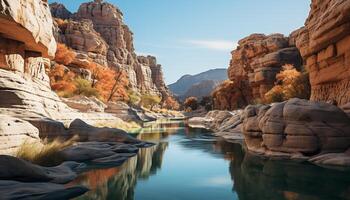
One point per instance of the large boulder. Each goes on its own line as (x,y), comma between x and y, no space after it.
(87,132)
(324,44)
(296,128)
(39,191)
(20,170)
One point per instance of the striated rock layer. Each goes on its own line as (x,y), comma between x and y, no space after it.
(296,128)
(257,60)
(324,44)
(98,31)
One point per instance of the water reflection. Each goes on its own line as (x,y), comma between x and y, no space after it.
(119,183)
(191,164)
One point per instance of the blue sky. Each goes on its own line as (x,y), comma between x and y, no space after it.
(192,36)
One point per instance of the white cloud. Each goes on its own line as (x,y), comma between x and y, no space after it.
(220,45)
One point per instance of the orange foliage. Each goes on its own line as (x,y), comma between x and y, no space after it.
(191,102)
(62,80)
(62,24)
(290,84)
(171,104)
(110,84)
(64,55)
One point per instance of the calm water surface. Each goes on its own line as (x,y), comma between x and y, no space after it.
(189,164)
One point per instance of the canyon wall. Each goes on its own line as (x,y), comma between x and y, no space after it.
(28,106)
(253,68)
(97,32)
(324,43)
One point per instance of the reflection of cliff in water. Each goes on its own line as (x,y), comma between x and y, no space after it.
(255,178)
(119,183)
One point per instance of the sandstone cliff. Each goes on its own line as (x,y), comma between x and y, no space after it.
(97,30)
(26,46)
(257,60)
(324,43)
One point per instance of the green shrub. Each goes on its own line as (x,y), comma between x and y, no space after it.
(134,98)
(149,101)
(83,87)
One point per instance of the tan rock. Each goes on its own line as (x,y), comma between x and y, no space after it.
(35,21)
(14,132)
(257,60)
(324,44)
(296,126)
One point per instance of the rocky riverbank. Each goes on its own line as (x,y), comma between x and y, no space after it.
(296,129)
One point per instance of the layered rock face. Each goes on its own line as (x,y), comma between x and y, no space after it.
(98,30)
(296,128)
(324,43)
(258,59)
(25,93)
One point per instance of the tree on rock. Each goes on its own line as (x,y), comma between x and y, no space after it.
(191,102)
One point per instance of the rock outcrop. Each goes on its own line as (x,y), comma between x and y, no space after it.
(257,60)
(60,11)
(324,43)
(296,128)
(14,132)
(225,124)
(98,31)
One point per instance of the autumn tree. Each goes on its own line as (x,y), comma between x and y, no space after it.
(191,102)
(290,84)
(61,80)
(207,103)
(171,104)
(64,55)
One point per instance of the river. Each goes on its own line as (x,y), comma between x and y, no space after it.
(190,164)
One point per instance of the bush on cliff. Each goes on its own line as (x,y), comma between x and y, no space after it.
(83,87)
(171,104)
(64,55)
(192,103)
(149,101)
(290,84)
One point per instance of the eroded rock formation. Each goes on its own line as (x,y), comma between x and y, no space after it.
(324,43)
(296,128)
(98,30)
(257,60)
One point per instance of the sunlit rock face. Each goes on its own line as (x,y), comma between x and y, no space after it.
(257,60)
(296,128)
(35,22)
(324,43)
(98,30)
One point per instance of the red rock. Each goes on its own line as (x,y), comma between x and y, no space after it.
(324,43)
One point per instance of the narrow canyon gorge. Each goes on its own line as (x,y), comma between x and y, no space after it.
(81,112)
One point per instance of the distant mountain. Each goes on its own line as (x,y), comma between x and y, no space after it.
(201,89)
(198,85)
